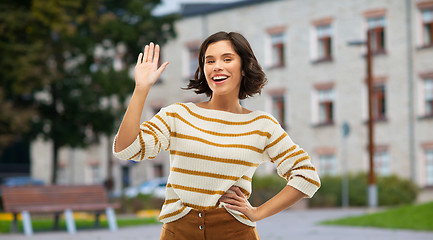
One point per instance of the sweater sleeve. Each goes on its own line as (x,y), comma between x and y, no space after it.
(154,135)
(293,163)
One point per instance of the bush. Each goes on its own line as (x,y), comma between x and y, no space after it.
(395,191)
(265,187)
(140,202)
(392,190)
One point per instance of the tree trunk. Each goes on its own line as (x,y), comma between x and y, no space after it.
(54,132)
(55,164)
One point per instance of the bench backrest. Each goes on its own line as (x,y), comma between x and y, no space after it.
(52,195)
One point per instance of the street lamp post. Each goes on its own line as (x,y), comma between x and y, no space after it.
(372,188)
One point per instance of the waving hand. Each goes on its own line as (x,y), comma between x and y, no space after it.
(146,70)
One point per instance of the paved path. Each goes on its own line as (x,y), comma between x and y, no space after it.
(293,224)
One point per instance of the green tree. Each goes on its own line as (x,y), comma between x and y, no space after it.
(21,70)
(88,47)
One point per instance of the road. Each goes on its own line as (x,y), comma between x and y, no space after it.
(292,224)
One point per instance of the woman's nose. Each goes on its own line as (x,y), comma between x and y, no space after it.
(217,66)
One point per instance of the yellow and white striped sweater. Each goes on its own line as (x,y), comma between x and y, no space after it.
(212,150)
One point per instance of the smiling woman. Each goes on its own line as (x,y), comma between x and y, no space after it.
(215,146)
(253,78)
(222,69)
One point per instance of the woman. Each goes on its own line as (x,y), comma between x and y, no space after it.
(215,146)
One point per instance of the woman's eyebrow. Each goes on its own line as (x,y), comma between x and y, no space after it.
(224,55)
(228,54)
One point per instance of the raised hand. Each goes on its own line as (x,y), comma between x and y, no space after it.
(146,70)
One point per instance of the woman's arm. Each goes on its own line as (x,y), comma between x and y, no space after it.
(236,200)
(146,74)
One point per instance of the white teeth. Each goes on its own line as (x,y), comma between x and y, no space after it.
(220,78)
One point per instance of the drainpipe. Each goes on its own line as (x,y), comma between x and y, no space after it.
(204,28)
(410,91)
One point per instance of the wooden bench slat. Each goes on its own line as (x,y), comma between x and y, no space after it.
(55,197)
(61,208)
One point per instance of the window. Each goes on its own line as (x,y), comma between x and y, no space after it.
(193,52)
(428,97)
(277,53)
(61,175)
(278,106)
(126,176)
(324,42)
(427,23)
(376,26)
(429,166)
(382,163)
(379,102)
(327,165)
(95,174)
(158,170)
(326,106)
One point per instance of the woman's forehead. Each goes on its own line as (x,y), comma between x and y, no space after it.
(223,47)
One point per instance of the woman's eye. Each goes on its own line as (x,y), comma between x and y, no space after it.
(210,61)
(227,60)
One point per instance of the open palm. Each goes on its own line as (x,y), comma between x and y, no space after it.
(146,70)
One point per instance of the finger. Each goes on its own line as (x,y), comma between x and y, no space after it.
(234,207)
(139,58)
(156,56)
(232,196)
(162,68)
(231,201)
(150,55)
(238,191)
(146,52)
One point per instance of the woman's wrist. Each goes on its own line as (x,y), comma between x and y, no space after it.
(141,90)
(260,215)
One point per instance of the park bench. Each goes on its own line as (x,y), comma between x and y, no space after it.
(57,199)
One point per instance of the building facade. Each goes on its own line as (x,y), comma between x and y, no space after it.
(316,82)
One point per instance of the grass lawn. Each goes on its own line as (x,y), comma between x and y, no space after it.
(413,217)
(47,224)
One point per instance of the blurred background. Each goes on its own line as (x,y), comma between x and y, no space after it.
(67,75)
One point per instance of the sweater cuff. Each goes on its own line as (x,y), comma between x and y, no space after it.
(303,186)
(128,152)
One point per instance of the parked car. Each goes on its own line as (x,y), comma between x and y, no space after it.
(155,187)
(20,181)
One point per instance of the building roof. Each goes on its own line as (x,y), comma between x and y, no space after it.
(194,9)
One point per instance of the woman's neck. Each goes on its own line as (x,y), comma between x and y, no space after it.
(224,104)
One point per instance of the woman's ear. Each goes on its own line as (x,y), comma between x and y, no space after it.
(243,73)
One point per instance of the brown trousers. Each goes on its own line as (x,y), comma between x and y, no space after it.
(215,224)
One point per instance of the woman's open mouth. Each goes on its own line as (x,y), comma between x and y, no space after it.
(219,79)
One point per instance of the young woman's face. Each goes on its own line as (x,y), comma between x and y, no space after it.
(223,68)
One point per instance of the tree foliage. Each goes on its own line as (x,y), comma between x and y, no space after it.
(66,63)
(21,68)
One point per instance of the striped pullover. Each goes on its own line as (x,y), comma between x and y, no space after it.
(212,150)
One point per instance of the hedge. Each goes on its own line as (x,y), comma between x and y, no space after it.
(392,190)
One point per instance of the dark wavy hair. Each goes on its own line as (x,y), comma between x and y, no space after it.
(254,79)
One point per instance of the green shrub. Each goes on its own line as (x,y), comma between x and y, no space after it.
(265,187)
(392,190)
(328,194)
(357,190)
(140,202)
(395,191)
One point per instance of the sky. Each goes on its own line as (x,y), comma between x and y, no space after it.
(170,6)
